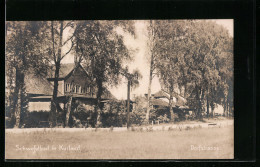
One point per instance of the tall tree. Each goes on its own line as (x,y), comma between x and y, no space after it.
(192,55)
(104,52)
(24,54)
(207,42)
(151,29)
(169,39)
(55,32)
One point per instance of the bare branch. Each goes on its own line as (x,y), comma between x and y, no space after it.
(68,51)
(69,38)
(67,25)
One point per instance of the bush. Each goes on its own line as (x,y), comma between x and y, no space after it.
(137,118)
(163,119)
(114,114)
(36,119)
(85,114)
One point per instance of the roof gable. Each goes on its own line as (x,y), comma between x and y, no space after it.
(65,69)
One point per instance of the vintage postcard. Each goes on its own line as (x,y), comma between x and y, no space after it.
(119,89)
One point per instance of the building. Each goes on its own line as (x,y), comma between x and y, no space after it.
(73,81)
(160,100)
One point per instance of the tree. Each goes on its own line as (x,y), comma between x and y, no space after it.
(54,30)
(203,52)
(104,53)
(151,28)
(169,39)
(192,55)
(24,54)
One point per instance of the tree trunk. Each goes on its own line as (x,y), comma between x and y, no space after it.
(18,110)
(17,101)
(212,109)
(98,102)
(128,104)
(170,108)
(227,108)
(149,91)
(54,102)
(199,97)
(151,72)
(14,104)
(224,112)
(207,106)
(68,107)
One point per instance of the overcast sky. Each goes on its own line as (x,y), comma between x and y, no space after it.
(141,60)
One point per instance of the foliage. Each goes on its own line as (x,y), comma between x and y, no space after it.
(36,119)
(24,54)
(87,117)
(104,52)
(196,55)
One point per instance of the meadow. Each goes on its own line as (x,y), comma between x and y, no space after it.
(199,143)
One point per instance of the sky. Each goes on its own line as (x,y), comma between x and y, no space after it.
(141,61)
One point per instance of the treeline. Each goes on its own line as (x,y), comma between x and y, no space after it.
(196,57)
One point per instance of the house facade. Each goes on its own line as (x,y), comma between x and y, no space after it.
(73,81)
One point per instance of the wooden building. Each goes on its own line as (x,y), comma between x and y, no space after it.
(73,81)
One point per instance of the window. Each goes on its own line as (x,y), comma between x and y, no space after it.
(67,87)
(77,89)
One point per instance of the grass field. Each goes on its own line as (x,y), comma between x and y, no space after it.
(185,144)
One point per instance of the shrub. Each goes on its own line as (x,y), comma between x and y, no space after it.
(163,119)
(36,119)
(114,114)
(85,115)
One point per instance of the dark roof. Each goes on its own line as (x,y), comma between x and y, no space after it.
(65,69)
(159,102)
(107,95)
(38,85)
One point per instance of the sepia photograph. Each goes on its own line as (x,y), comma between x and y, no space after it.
(119,89)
